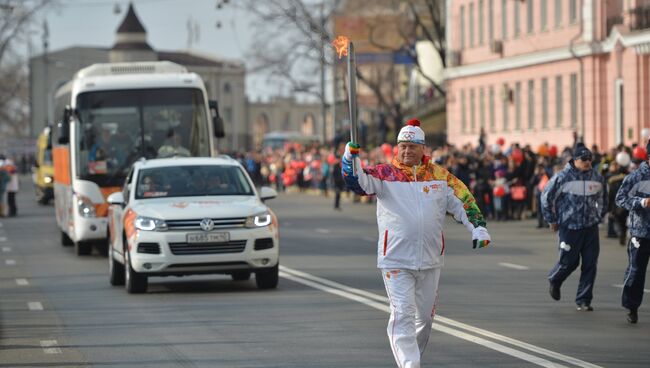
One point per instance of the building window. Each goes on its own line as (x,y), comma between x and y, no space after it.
(505,107)
(492,119)
(517,16)
(481,108)
(518,106)
(543,16)
(504,19)
(530,16)
(558,13)
(573,11)
(462,27)
(490,20)
(574,100)
(480,22)
(558,101)
(463,112)
(472,111)
(531,104)
(470,22)
(544,103)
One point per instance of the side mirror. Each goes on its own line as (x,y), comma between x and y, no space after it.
(267,193)
(217,121)
(116,198)
(64,126)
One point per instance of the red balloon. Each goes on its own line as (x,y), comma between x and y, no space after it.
(499,191)
(386,149)
(517,156)
(639,153)
(552,151)
(501,141)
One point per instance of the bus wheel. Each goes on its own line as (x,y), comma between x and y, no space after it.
(65,239)
(82,248)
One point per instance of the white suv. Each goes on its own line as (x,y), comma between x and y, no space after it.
(182,216)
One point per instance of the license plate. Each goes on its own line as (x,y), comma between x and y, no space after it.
(208,238)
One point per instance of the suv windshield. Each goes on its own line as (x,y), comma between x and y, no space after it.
(188,181)
(118,127)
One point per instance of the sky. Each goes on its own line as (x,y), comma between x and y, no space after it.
(94,22)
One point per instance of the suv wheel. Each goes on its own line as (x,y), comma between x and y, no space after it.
(241,275)
(115,271)
(135,283)
(267,279)
(82,248)
(65,239)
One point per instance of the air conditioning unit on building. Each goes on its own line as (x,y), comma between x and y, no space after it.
(496,46)
(455,58)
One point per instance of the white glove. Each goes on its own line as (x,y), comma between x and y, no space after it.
(480,237)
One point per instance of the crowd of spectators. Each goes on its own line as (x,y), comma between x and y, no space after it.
(506,179)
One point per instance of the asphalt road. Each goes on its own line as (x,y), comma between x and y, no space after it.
(330,310)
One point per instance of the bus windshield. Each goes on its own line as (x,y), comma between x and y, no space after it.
(118,127)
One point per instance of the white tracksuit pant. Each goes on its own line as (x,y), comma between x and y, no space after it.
(413,296)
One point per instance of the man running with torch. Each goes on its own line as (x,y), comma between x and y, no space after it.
(413,196)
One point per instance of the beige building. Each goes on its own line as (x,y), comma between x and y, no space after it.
(224,81)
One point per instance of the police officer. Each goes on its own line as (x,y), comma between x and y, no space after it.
(634,196)
(574,202)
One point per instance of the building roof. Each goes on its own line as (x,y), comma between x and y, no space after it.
(131,23)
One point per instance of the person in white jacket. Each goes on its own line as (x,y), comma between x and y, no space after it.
(413,196)
(12,188)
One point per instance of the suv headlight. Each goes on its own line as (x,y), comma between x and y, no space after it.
(259,220)
(85,206)
(149,224)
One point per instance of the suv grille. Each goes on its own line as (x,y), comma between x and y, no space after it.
(149,248)
(195,224)
(233,246)
(265,243)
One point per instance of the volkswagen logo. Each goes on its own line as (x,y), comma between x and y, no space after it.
(207,224)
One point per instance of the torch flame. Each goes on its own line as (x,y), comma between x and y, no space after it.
(341,45)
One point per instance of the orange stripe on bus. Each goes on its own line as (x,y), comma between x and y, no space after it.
(101,209)
(61,157)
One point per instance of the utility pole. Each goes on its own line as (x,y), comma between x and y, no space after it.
(46,79)
(323,105)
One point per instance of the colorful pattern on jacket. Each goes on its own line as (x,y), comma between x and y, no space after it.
(635,188)
(428,171)
(575,199)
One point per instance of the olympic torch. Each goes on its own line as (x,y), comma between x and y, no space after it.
(345,47)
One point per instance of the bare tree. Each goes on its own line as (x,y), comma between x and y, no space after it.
(16,20)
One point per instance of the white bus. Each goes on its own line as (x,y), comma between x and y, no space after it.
(109,116)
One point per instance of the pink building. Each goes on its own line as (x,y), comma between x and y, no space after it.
(534,71)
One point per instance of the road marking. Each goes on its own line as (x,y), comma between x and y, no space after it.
(323,231)
(10,262)
(50,347)
(3,238)
(514,266)
(6,249)
(35,306)
(22,282)
(442,324)
(620,286)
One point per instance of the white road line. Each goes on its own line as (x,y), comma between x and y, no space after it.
(323,231)
(6,249)
(381,302)
(35,306)
(3,238)
(50,347)
(514,266)
(22,282)
(620,286)
(10,262)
